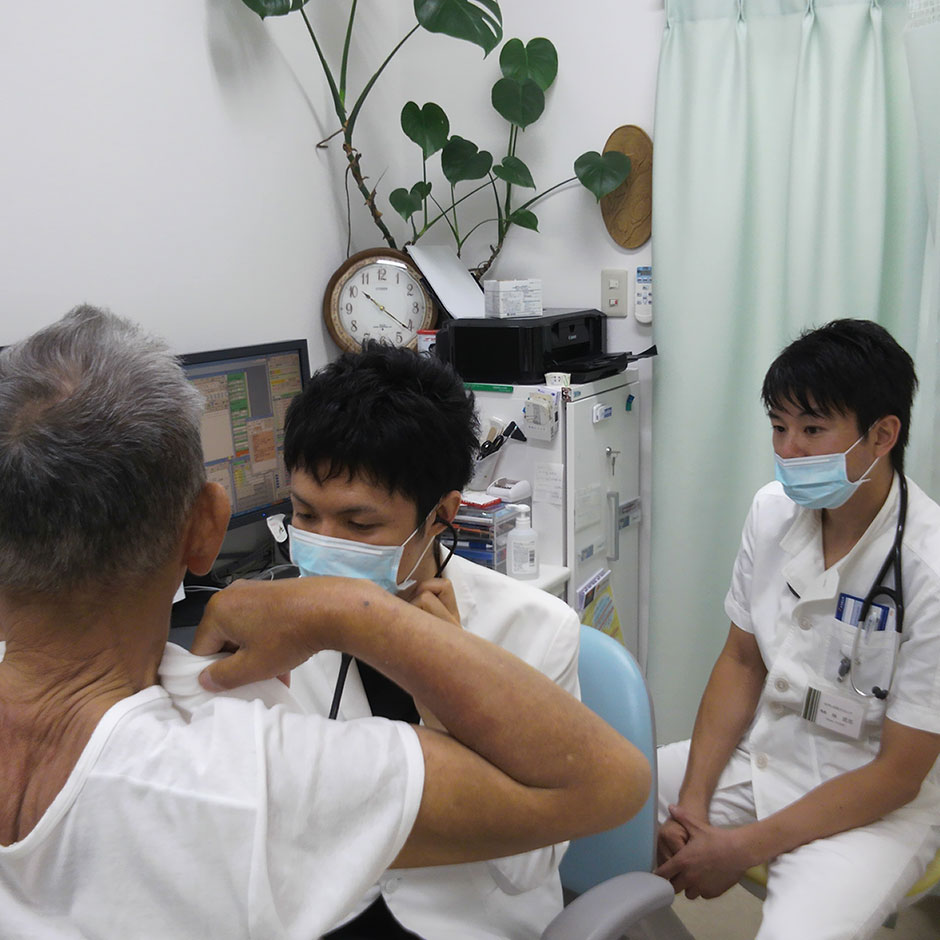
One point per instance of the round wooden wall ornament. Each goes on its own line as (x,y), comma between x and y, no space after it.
(628,210)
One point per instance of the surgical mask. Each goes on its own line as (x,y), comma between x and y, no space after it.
(324,555)
(819,482)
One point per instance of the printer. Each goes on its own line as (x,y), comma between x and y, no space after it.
(522,349)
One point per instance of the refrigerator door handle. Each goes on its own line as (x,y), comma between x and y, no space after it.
(613,504)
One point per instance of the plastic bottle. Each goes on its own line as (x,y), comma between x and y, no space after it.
(522,560)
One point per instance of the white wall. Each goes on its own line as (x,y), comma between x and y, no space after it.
(160,159)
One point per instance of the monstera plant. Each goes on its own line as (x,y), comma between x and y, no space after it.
(518,96)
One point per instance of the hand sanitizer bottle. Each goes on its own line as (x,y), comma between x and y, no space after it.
(522,560)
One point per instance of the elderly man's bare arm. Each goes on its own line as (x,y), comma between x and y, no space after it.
(525,763)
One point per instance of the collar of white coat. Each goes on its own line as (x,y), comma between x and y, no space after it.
(803,540)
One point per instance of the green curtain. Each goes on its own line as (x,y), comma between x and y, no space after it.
(922,42)
(787,192)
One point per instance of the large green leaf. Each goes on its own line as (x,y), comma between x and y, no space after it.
(462,160)
(476,21)
(406,203)
(537,60)
(602,174)
(428,127)
(514,171)
(273,7)
(520,103)
(524,218)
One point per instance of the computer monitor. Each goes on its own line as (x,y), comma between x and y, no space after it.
(247,391)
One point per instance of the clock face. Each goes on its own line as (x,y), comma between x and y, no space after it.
(377,294)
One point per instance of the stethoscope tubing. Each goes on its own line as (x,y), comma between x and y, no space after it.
(346,658)
(895,595)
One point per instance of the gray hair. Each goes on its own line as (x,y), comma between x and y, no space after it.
(100,454)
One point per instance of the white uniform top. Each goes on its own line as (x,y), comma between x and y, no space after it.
(782,593)
(237,821)
(511,898)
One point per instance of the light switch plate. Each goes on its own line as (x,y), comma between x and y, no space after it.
(615,285)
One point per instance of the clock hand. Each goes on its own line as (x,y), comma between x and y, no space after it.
(402,325)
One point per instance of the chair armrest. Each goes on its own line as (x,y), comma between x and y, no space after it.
(608,909)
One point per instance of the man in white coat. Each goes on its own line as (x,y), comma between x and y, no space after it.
(816,742)
(379,447)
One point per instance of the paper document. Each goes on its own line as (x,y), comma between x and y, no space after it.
(458,292)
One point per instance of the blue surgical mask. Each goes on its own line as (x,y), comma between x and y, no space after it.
(819,482)
(317,554)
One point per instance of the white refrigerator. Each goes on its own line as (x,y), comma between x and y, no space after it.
(584,469)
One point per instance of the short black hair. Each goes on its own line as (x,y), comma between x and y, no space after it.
(847,367)
(399,419)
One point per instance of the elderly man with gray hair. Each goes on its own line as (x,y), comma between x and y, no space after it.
(124,813)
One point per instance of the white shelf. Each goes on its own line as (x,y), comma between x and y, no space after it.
(552,578)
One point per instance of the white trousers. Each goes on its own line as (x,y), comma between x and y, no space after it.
(838,888)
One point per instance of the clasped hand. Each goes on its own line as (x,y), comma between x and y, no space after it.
(698,858)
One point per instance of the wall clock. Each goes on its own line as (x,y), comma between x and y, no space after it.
(377,294)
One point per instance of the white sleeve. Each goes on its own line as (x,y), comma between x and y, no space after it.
(914,699)
(738,598)
(517,873)
(340,801)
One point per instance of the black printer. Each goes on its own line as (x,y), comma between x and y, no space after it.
(523,349)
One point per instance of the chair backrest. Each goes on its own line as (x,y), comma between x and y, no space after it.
(613,687)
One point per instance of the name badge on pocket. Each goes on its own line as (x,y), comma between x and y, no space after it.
(835,712)
(849,608)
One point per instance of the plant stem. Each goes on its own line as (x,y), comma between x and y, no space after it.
(357,107)
(326,140)
(348,213)
(503,226)
(338,105)
(481,269)
(424,178)
(550,189)
(453,205)
(475,227)
(352,156)
(443,215)
(443,212)
(499,208)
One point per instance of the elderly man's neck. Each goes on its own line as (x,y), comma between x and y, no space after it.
(69,658)
(102,640)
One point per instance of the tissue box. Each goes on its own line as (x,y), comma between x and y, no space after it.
(519,298)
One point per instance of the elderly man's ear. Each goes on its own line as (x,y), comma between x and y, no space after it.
(206,528)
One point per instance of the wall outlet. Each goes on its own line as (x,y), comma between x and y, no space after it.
(614,286)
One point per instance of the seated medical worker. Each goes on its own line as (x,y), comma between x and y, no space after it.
(379,446)
(816,741)
(123,816)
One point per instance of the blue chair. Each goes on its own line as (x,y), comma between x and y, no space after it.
(611,872)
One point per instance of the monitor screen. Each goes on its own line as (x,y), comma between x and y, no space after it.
(247,391)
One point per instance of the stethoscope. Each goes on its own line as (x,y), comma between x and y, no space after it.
(879,589)
(346,658)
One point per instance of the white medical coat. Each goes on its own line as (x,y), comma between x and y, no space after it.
(511,898)
(782,593)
